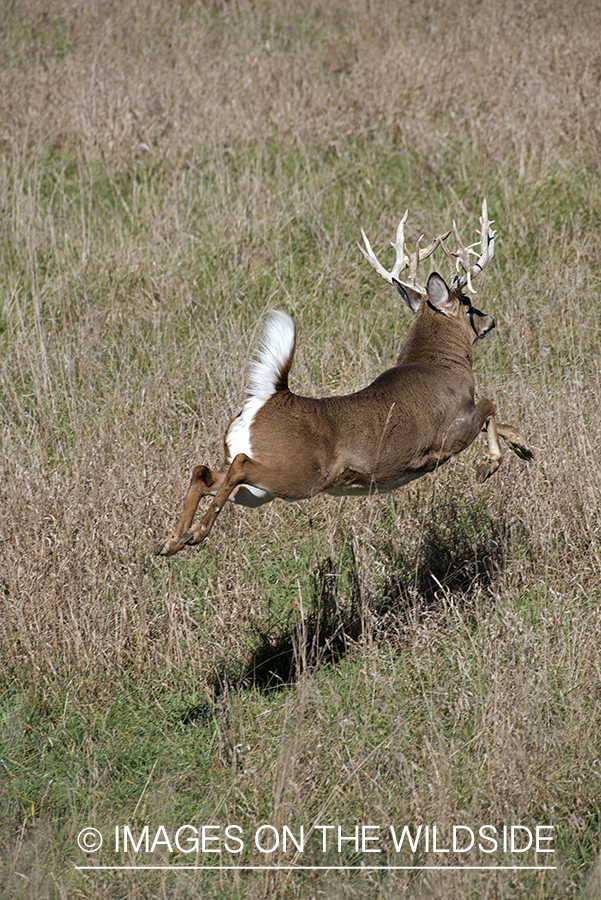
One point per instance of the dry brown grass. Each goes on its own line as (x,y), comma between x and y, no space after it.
(167,175)
(125,80)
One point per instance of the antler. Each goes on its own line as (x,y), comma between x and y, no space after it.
(403,259)
(460,259)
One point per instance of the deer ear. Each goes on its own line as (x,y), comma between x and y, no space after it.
(409,295)
(439,294)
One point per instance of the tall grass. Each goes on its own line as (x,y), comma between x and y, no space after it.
(169,174)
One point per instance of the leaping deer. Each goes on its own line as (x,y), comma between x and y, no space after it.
(409,421)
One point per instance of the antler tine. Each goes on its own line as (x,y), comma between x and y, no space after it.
(401,261)
(419,255)
(429,250)
(462,254)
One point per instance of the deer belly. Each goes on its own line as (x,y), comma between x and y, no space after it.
(365,490)
(251,495)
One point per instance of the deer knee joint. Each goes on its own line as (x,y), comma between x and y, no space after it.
(203,474)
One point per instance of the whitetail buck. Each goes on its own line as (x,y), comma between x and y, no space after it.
(407,422)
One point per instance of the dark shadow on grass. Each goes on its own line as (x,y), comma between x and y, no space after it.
(461,550)
(319,635)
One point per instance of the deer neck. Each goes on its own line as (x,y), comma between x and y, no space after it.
(436,340)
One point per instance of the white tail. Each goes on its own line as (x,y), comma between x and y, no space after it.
(406,423)
(273,358)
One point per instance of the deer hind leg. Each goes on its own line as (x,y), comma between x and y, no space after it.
(203,481)
(243,470)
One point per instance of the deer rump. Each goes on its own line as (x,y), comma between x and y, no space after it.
(411,419)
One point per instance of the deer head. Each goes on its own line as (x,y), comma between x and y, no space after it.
(451,301)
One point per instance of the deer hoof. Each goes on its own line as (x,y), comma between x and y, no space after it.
(522,450)
(195,537)
(168,548)
(488,468)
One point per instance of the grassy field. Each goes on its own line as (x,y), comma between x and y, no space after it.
(168,174)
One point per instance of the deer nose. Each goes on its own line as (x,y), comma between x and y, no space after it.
(480,322)
(486,324)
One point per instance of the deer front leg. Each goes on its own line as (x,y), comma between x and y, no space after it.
(516,441)
(486,410)
(511,435)
(242,470)
(202,482)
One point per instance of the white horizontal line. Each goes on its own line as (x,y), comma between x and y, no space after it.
(322,868)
